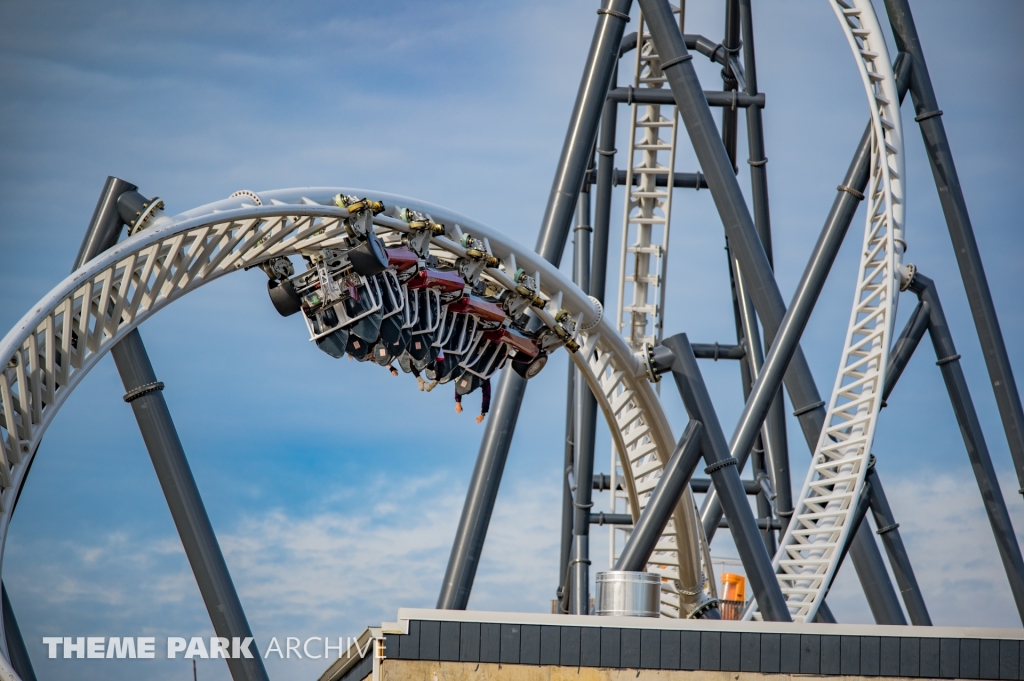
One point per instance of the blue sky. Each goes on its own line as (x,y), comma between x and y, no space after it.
(335,488)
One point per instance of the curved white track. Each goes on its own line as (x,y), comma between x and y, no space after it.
(51,349)
(809,552)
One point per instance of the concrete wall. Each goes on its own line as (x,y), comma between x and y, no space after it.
(421,670)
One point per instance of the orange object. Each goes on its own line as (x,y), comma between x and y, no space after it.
(734,587)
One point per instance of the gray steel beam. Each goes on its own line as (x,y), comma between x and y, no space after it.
(584,435)
(106,223)
(702,485)
(482,493)
(745,320)
(888,530)
(16,649)
(757,161)
(693,41)
(785,358)
(601,518)
(958,221)
(732,207)
(583,128)
(778,460)
(903,348)
(728,99)
(746,333)
(881,596)
(856,519)
(714,351)
(603,198)
(763,504)
(974,439)
(825,615)
(731,46)
(722,469)
(679,180)
(508,397)
(763,524)
(602,482)
(651,524)
(567,508)
(143,391)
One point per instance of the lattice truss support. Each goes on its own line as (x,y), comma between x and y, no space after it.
(809,552)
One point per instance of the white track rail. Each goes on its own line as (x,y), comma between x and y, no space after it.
(52,348)
(809,552)
(618,380)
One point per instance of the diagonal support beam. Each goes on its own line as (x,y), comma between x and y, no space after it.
(648,529)
(144,393)
(888,530)
(958,221)
(974,438)
(723,471)
(783,327)
(508,398)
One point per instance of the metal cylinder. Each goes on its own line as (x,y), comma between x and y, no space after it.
(621,593)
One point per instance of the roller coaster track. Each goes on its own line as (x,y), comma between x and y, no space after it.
(52,348)
(648,207)
(809,552)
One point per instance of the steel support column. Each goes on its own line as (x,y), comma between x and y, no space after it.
(723,471)
(731,45)
(143,391)
(603,198)
(888,530)
(958,221)
(567,492)
(740,229)
(878,589)
(746,332)
(903,348)
(482,493)
(732,208)
(974,439)
(584,434)
(583,127)
(778,459)
(508,398)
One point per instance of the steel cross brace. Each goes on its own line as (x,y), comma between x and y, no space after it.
(723,471)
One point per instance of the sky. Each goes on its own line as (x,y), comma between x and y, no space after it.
(335,488)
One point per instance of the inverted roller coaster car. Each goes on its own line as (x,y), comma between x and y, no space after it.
(404,302)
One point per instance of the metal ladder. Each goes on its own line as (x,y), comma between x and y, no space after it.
(645,235)
(648,208)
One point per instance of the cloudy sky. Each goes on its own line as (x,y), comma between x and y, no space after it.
(335,488)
